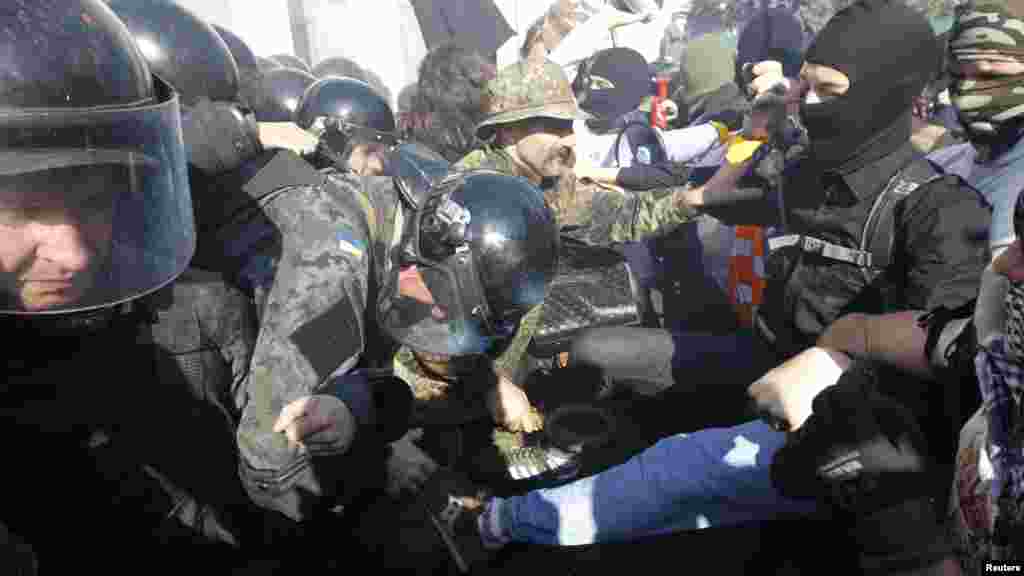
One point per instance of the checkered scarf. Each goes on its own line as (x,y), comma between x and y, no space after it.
(1000,370)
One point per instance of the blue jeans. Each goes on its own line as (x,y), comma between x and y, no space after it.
(714,477)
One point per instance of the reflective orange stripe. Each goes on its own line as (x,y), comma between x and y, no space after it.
(746,272)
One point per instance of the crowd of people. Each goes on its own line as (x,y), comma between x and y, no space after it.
(254,309)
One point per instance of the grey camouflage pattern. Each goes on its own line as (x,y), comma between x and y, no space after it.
(224,319)
(328,241)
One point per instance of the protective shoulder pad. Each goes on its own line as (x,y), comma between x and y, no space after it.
(284,169)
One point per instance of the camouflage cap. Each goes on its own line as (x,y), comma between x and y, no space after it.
(527,89)
(987,29)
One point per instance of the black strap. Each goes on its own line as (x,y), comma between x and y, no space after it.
(285,170)
(879,230)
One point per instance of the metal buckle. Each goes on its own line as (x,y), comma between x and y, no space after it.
(813,245)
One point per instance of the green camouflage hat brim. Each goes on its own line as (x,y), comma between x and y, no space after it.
(567,110)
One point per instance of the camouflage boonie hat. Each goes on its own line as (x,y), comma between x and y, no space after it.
(527,89)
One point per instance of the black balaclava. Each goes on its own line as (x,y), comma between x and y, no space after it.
(889,53)
(612,83)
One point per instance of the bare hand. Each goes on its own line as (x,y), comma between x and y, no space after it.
(1011,262)
(768,77)
(774,95)
(317,420)
(785,394)
(511,409)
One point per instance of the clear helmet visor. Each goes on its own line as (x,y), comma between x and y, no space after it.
(95,208)
(433,310)
(462,277)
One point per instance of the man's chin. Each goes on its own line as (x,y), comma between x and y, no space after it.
(52,298)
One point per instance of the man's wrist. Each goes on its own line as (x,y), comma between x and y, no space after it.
(850,335)
(689,196)
(842,360)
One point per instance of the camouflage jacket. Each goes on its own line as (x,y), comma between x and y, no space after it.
(314,328)
(441,403)
(594,214)
(597,214)
(437,402)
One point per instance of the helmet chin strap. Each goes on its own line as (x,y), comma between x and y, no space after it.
(77,324)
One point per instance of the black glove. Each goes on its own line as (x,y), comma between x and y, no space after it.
(864,454)
(857,443)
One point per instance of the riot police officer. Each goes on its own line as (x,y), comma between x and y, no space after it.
(96,228)
(355,124)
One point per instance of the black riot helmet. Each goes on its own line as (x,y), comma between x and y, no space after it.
(244,57)
(250,74)
(219,136)
(416,169)
(474,257)
(181,48)
(289,61)
(282,91)
(345,112)
(94,196)
(339,66)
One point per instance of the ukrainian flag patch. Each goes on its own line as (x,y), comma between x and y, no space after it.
(349,244)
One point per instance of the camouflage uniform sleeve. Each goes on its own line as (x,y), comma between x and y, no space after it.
(471,161)
(512,358)
(311,331)
(659,212)
(607,215)
(490,159)
(228,320)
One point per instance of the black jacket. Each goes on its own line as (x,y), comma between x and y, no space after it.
(940,250)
